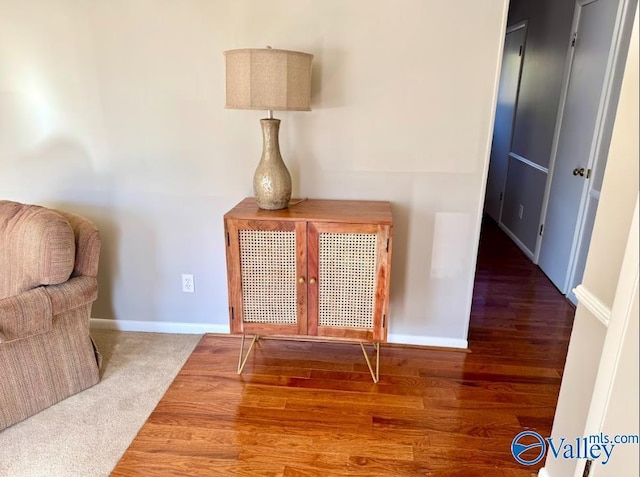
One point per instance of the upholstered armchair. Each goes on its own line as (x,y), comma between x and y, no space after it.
(48,268)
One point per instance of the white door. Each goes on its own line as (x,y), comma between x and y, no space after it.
(578,138)
(505,111)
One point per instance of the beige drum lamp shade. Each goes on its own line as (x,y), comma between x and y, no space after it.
(268,79)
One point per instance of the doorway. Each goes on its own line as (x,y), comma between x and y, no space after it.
(583,133)
(545,200)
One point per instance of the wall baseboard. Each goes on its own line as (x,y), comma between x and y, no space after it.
(434,341)
(517,241)
(543,473)
(201,328)
(157,327)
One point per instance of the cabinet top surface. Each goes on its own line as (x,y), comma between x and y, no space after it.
(352,211)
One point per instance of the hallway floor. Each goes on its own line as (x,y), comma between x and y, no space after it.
(516,312)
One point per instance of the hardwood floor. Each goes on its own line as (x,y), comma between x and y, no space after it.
(311,409)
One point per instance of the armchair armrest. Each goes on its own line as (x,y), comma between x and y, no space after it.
(87,244)
(75,292)
(24,315)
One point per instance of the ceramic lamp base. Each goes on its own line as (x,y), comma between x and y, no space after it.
(271,181)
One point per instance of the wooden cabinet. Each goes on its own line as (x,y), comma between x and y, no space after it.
(317,269)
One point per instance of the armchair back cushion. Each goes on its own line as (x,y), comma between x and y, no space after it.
(37,248)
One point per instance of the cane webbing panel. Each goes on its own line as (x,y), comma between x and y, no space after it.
(347,279)
(268,264)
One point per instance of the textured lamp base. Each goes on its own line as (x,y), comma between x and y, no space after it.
(271,181)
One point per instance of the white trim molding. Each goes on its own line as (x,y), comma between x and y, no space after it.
(529,163)
(202,328)
(517,241)
(435,341)
(593,304)
(158,326)
(517,26)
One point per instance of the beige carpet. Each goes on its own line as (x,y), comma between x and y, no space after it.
(86,434)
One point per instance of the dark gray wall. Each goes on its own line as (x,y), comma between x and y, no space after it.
(525,185)
(548,36)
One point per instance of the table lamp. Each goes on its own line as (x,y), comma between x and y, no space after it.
(272,80)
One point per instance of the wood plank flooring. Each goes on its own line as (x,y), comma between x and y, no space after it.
(311,409)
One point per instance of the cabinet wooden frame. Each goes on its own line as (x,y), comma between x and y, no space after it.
(308,220)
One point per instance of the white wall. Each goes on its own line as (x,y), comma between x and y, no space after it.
(115,110)
(622,414)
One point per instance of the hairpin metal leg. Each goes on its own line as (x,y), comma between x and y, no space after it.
(242,362)
(375,375)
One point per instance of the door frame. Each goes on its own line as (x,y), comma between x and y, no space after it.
(605,117)
(622,312)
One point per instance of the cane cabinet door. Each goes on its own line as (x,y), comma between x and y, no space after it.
(267,268)
(348,270)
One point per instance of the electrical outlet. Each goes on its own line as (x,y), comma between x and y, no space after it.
(520,211)
(187,283)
